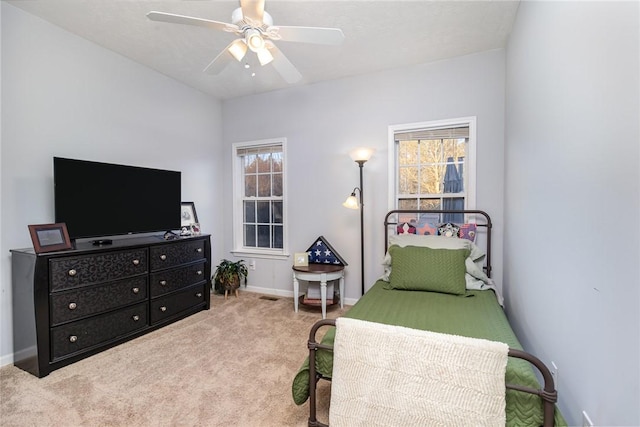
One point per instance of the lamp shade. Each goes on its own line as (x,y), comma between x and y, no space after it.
(264,56)
(254,40)
(238,49)
(351,202)
(361,154)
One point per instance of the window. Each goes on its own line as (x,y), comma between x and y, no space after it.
(433,165)
(259,194)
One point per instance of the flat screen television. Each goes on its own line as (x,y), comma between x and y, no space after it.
(102,199)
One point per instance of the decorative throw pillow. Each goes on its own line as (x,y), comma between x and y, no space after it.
(424,269)
(427,224)
(448,230)
(468,231)
(406,228)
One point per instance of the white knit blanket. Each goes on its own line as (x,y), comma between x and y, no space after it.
(394,376)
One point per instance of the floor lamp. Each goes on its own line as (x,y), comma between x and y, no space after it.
(360,156)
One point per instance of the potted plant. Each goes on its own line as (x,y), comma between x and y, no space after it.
(228,275)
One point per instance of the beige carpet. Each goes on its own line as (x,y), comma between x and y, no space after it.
(230,366)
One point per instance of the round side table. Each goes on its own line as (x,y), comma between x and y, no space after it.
(322,273)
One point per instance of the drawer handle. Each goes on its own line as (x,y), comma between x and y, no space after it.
(136,262)
(163,308)
(163,257)
(73,338)
(72,306)
(135,290)
(163,283)
(199,294)
(136,318)
(199,273)
(72,272)
(199,250)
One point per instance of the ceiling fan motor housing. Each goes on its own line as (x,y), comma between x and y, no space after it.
(237,18)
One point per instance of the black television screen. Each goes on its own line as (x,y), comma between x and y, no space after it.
(101,199)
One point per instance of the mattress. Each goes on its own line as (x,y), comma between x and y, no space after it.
(476,314)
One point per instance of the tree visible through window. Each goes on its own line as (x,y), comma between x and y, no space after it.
(431,167)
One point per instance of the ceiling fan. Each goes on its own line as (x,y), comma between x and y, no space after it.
(257,33)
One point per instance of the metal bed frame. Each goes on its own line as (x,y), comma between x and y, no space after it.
(547,393)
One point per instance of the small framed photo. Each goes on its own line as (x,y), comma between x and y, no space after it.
(188,214)
(301,259)
(50,237)
(195,229)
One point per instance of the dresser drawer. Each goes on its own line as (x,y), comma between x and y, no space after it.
(66,273)
(177,278)
(82,302)
(165,256)
(83,334)
(170,305)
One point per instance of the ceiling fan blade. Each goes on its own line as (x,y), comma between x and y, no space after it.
(317,35)
(221,61)
(189,20)
(253,10)
(280,62)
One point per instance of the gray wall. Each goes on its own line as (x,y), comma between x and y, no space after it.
(324,121)
(64,96)
(571,200)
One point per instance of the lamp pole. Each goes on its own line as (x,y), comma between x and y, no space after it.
(360,156)
(361,166)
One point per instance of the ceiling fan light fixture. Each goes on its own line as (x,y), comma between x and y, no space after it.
(255,31)
(264,56)
(238,49)
(254,40)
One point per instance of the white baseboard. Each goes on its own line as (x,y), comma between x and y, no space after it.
(21,355)
(269,291)
(286,293)
(6,360)
(350,301)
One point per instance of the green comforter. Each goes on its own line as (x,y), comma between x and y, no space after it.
(476,314)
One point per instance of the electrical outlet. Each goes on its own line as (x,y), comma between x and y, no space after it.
(586,421)
(554,373)
(252,264)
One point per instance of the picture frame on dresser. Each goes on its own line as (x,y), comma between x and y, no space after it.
(188,214)
(195,229)
(50,237)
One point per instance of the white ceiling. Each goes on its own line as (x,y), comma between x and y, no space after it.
(379,35)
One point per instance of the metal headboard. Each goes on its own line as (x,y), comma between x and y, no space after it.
(391,219)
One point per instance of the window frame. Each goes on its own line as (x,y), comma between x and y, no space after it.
(238,210)
(470,164)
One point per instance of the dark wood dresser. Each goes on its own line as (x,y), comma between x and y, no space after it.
(71,304)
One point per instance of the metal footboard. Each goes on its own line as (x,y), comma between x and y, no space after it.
(548,393)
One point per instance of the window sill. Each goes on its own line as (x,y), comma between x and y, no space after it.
(260,254)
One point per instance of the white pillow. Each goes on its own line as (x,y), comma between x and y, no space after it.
(437,242)
(475,276)
(473,263)
(476,271)
(474,284)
